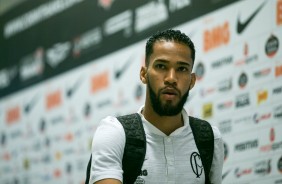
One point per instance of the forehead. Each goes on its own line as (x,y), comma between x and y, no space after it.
(171,50)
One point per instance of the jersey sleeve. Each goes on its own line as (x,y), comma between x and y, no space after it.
(218,158)
(107,151)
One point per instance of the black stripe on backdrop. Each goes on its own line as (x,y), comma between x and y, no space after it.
(22,47)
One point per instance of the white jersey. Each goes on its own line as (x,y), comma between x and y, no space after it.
(172,159)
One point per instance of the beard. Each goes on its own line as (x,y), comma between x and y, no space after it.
(166,109)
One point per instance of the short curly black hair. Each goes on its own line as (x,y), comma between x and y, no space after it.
(168,35)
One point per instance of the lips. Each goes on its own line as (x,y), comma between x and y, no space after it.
(169,93)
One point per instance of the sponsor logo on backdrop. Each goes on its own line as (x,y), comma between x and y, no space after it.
(247,59)
(261,117)
(53,100)
(262,73)
(104,103)
(57,173)
(30,105)
(207,110)
(36,15)
(243,24)
(222,62)
(279,13)
(46,158)
(279,165)
(57,119)
(277,90)
(118,23)
(3,139)
(273,146)
(178,4)
(106,4)
(225,174)
(100,82)
(58,155)
(47,142)
(225,85)
(68,168)
(271,46)
(200,71)
(6,76)
(277,112)
(242,172)
(71,90)
(243,80)
(243,100)
(150,15)
(6,156)
(225,105)
(32,65)
(226,150)
(244,146)
(207,91)
(87,110)
(26,164)
(119,72)
(13,115)
(263,168)
(69,137)
(86,41)
(216,37)
(262,96)
(225,126)
(58,53)
(42,125)
(278,71)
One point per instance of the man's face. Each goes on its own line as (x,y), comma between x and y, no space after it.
(169,77)
(166,108)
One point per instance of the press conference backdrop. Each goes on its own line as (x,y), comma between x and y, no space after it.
(67,64)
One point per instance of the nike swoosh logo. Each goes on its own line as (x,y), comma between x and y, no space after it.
(72,89)
(29,106)
(241,26)
(225,174)
(119,72)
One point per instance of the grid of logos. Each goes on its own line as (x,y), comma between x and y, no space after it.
(47,129)
(239,88)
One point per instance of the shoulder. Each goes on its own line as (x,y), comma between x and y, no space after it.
(216,132)
(110,122)
(109,129)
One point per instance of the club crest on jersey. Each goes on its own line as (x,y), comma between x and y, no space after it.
(196,164)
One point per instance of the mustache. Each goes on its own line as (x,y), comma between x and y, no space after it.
(170,89)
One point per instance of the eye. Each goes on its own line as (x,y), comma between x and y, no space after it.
(183,69)
(160,66)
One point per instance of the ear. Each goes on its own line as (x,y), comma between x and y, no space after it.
(143,74)
(193,81)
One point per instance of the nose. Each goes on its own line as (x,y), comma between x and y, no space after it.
(171,77)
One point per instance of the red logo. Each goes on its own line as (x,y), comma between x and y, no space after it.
(272,135)
(279,12)
(13,115)
(278,71)
(53,100)
(105,3)
(216,37)
(99,82)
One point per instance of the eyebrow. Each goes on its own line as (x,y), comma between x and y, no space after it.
(178,62)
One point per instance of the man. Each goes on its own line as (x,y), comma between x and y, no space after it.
(168,75)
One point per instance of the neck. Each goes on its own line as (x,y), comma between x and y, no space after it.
(167,124)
